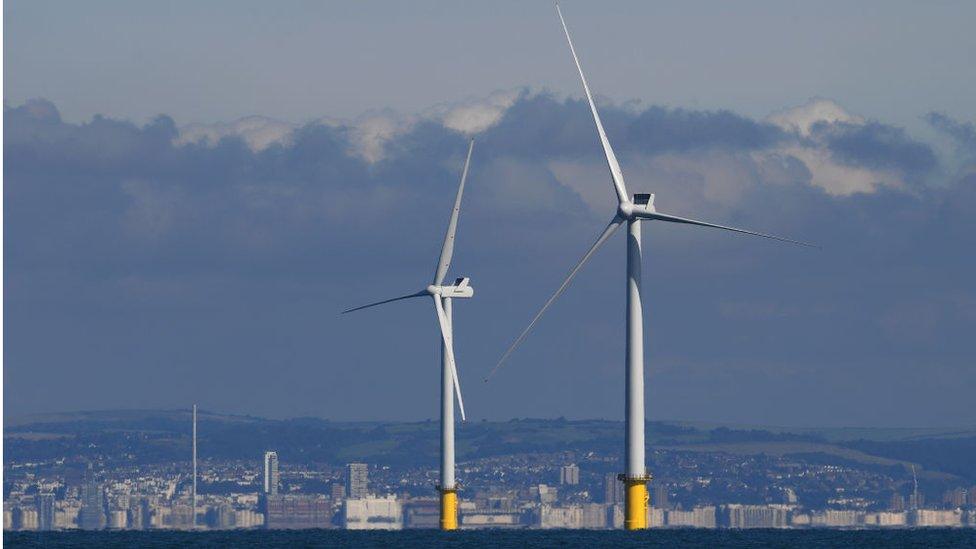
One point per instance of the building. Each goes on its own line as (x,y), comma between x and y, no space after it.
(841,518)
(271,476)
(476,519)
(66,516)
(569,474)
(570,517)
(25,518)
(896,503)
(177,517)
(547,494)
(338,492)
(422,513)
(247,518)
(655,517)
(754,516)
(613,489)
(594,515)
(886,519)
(295,512)
(933,517)
(118,519)
(357,481)
(45,511)
(139,513)
(954,499)
(699,517)
(372,514)
(916,500)
(92,515)
(660,498)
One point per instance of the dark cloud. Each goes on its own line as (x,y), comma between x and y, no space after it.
(876,145)
(141,273)
(543,124)
(964,133)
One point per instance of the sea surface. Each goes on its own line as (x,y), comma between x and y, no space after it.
(500,538)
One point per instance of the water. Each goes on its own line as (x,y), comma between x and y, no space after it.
(500,538)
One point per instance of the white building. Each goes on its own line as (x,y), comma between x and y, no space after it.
(372,514)
(655,517)
(933,517)
(699,517)
(886,518)
(841,518)
(756,516)
(594,515)
(560,517)
(26,519)
(490,520)
(118,519)
(247,518)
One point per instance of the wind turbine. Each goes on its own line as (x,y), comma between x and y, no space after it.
(631,212)
(450,386)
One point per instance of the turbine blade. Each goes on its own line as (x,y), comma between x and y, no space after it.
(449,345)
(676,219)
(615,224)
(447,250)
(418,294)
(615,173)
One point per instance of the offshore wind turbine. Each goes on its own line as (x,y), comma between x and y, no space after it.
(442,296)
(630,211)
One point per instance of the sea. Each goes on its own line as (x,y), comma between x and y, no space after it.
(928,538)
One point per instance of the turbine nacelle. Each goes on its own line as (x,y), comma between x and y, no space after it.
(461,289)
(641,206)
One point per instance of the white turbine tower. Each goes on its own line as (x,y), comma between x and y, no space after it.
(631,212)
(450,386)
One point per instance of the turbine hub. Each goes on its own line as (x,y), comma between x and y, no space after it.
(434,290)
(626,209)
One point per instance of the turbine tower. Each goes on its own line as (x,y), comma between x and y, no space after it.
(443,296)
(630,211)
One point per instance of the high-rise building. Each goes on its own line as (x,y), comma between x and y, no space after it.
(45,511)
(338,492)
(660,498)
(897,502)
(271,478)
(569,474)
(916,500)
(613,489)
(954,498)
(92,515)
(357,480)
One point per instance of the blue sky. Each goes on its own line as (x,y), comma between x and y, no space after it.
(193,193)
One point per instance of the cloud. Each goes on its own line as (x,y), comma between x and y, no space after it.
(963,133)
(258,132)
(803,118)
(137,256)
(477,115)
(847,154)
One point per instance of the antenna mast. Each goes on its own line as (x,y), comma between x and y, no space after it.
(194,523)
(915,491)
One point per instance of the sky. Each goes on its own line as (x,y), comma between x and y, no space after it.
(192,192)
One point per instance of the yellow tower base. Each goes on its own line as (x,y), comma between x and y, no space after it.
(449,509)
(635,506)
